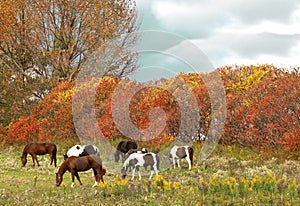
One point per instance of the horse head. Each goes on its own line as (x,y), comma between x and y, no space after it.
(123,172)
(100,176)
(58,179)
(24,161)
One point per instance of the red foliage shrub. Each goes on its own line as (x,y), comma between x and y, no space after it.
(263,109)
(24,130)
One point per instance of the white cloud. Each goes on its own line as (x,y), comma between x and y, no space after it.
(204,17)
(233,48)
(189,17)
(253,11)
(233,31)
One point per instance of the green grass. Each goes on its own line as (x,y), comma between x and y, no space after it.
(207,183)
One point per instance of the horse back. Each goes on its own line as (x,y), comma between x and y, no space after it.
(84,163)
(125,146)
(41,148)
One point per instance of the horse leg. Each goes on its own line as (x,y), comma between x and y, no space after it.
(77,176)
(133,171)
(139,173)
(123,157)
(136,168)
(151,174)
(55,160)
(156,169)
(37,162)
(32,156)
(72,173)
(153,168)
(97,177)
(178,162)
(51,159)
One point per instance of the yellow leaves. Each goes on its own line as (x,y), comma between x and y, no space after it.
(66,95)
(121,182)
(176,185)
(161,184)
(271,177)
(103,185)
(246,80)
(63,185)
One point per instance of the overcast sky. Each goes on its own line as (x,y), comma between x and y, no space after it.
(232,31)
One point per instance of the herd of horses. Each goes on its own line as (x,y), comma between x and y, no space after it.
(85,157)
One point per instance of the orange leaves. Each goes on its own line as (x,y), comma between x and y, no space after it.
(23,130)
(270,112)
(291,140)
(264,116)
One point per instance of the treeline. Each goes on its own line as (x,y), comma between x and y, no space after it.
(45,42)
(262,102)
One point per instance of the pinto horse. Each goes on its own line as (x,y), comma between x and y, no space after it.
(35,149)
(179,152)
(122,148)
(137,160)
(78,164)
(82,150)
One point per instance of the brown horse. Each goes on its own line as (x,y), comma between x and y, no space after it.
(77,164)
(35,149)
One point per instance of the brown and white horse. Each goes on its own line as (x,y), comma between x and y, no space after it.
(35,149)
(78,164)
(179,152)
(136,160)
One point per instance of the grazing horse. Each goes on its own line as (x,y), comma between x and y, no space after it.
(180,152)
(78,164)
(84,150)
(136,160)
(122,148)
(35,149)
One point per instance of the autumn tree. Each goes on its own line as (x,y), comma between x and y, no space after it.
(45,41)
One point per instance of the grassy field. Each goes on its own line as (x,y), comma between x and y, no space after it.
(230,176)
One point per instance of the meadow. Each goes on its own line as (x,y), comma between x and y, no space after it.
(230,176)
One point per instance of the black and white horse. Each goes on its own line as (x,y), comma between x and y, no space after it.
(179,152)
(122,148)
(82,150)
(136,160)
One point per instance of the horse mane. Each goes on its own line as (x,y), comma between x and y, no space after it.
(24,154)
(63,167)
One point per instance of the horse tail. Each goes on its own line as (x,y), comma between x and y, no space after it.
(157,161)
(54,154)
(191,153)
